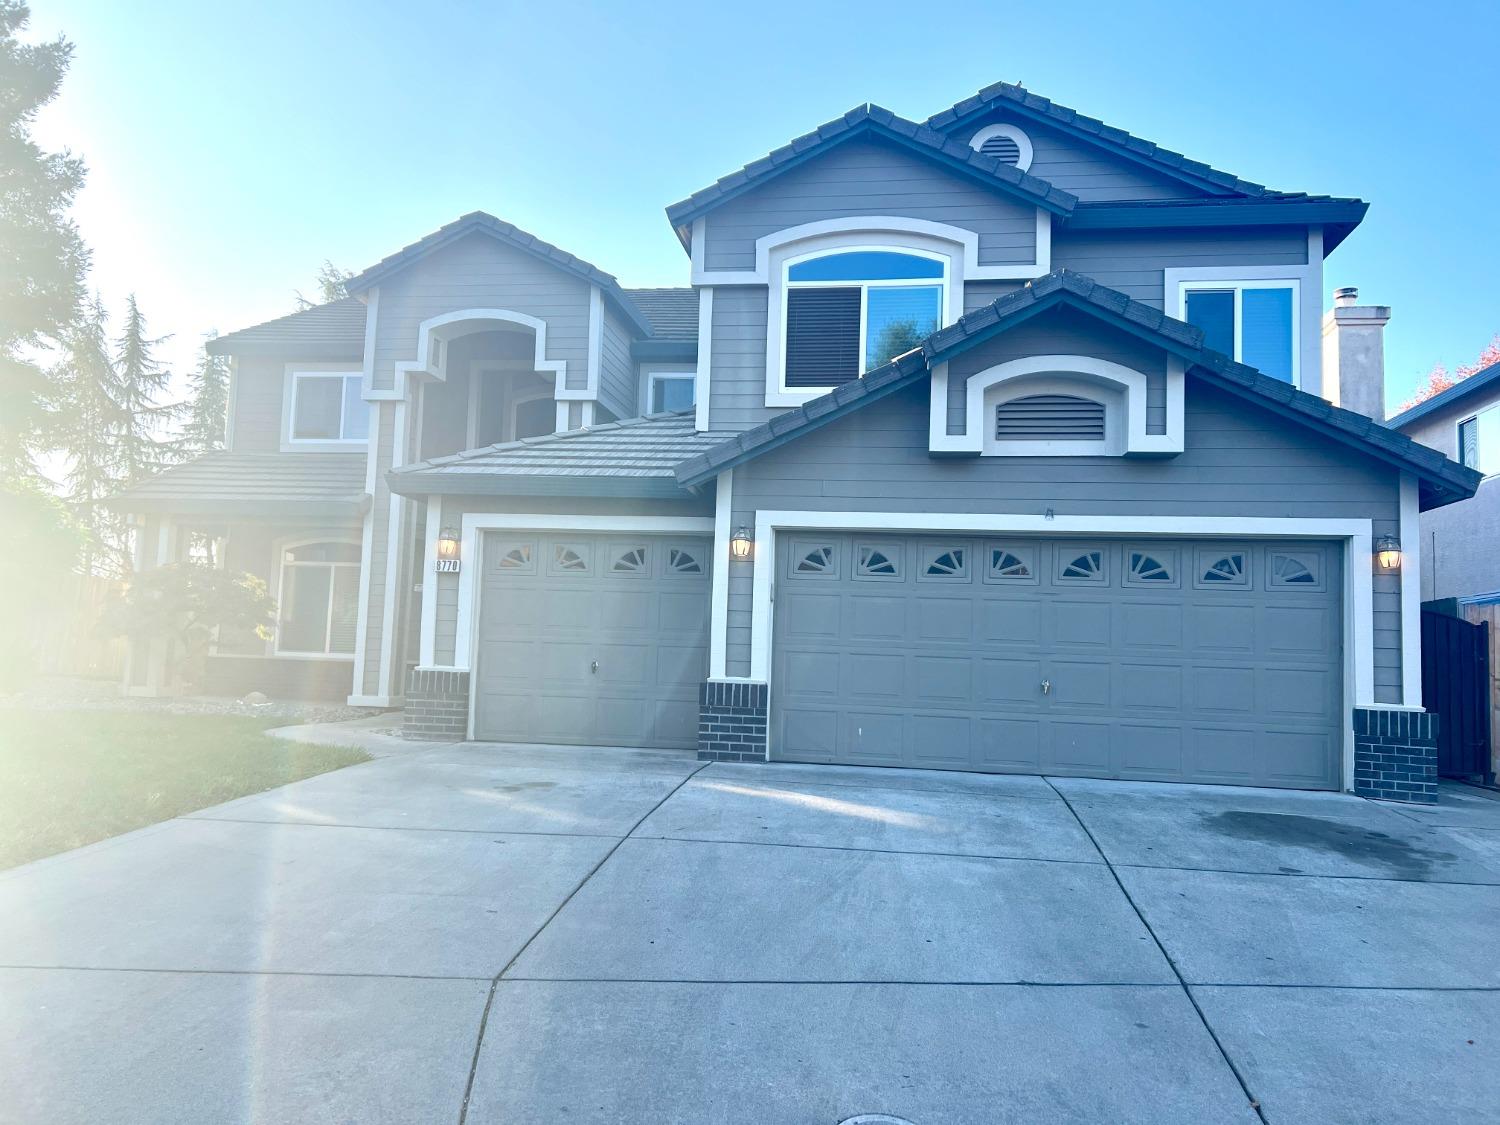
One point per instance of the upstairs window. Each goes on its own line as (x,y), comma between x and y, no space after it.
(670,392)
(1254,323)
(849,311)
(327,406)
(1479,441)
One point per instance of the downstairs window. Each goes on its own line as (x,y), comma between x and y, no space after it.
(318,609)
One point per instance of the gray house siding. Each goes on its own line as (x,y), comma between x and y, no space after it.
(1133,261)
(865,178)
(1459,554)
(617,387)
(1238,462)
(1086,171)
(479,272)
(454,509)
(256,404)
(1062,333)
(737,371)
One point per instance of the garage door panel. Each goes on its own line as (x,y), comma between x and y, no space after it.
(1227,678)
(553,607)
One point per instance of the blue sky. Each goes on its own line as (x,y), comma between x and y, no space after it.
(234,147)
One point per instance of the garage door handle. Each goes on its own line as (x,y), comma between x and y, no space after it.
(593,666)
(1046,687)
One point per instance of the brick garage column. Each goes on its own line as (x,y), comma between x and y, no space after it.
(732,722)
(437,705)
(1395,755)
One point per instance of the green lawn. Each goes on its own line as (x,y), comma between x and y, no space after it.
(69,778)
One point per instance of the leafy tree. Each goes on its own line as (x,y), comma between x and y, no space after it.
(208,404)
(1439,380)
(897,338)
(140,380)
(42,257)
(41,543)
(183,604)
(330,281)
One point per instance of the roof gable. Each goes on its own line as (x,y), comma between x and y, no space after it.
(873,122)
(1442,480)
(332,331)
(479,222)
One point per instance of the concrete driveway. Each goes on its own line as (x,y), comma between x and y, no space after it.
(525,934)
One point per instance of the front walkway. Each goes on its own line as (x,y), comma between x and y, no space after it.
(632,936)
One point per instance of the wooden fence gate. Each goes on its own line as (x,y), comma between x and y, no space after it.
(1456,685)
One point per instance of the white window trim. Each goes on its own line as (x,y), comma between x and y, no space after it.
(292,373)
(1305,282)
(653,377)
(1023,142)
(1358,593)
(1125,383)
(950,303)
(1458,439)
(281,547)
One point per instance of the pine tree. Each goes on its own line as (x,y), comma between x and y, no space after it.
(140,381)
(42,258)
(330,281)
(208,404)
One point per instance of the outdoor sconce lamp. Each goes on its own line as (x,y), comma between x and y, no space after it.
(740,544)
(1388,553)
(447,550)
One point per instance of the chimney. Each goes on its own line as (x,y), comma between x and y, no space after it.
(1354,354)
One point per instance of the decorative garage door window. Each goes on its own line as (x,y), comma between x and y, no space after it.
(520,557)
(682,561)
(1081,565)
(1012,562)
(1219,568)
(570,558)
(944,563)
(630,561)
(1151,566)
(877,561)
(813,560)
(1300,571)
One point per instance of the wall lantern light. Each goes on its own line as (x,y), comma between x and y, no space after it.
(447,550)
(740,544)
(1388,553)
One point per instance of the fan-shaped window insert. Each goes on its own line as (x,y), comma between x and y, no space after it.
(1300,571)
(1083,566)
(1012,564)
(814,560)
(567,559)
(944,562)
(1223,568)
(877,562)
(631,561)
(516,558)
(680,561)
(1152,568)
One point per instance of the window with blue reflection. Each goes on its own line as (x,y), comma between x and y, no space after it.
(1213,311)
(898,318)
(866,265)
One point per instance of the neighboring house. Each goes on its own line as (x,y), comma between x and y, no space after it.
(1089,511)
(1461,544)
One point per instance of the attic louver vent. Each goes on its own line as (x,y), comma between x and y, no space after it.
(1049,418)
(1003,149)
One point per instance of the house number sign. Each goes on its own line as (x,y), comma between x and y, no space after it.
(447,566)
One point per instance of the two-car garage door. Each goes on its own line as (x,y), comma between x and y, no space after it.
(1174,660)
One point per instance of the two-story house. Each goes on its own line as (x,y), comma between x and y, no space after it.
(995,442)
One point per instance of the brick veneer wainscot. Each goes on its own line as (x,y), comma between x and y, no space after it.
(732,722)
(437,705)
(1395,755)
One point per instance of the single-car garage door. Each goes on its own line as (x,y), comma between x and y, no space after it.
(598,640)
(1170,660)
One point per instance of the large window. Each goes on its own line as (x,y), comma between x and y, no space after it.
(849,311)
(1479,441)
(670,391)
(1252,322)
(327,406)
(319,602)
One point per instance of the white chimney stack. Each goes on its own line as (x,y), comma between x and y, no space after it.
(1354,354)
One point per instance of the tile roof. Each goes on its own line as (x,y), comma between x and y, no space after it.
(1485,377)
(231,484)
(1445,480)
(635,457)
(514,236)
(875,120)
(1044,109)
(332,331)
(673,313)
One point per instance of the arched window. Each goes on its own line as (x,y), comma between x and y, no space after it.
(318,607)
(849,311)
